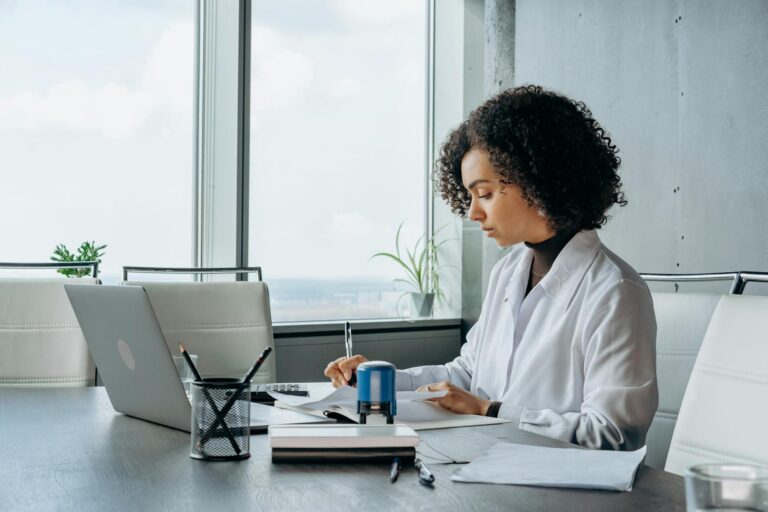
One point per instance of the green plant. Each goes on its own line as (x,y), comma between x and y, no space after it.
(88,251)
(420,263)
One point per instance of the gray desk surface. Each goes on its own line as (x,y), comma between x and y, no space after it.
(66,449)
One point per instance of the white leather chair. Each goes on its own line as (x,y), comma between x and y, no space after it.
(724,414)
(227,324)
(41,343)
(682,320)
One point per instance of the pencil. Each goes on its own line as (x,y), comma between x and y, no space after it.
(190,363)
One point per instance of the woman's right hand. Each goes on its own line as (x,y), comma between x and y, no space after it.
(342,369)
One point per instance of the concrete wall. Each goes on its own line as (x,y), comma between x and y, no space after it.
(682,87)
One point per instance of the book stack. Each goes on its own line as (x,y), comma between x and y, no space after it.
(342,443)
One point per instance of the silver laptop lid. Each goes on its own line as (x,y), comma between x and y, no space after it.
(130,352)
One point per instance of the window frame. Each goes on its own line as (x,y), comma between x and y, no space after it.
(222,166)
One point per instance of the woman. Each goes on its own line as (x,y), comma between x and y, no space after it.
(565,342)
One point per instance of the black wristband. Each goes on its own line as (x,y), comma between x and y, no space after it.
(493,410)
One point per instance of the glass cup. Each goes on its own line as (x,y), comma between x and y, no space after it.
(726,487)
(185,372)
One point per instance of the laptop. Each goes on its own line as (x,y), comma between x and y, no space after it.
(135,365)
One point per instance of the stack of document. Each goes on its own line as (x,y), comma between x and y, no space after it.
(342,443)
(412,410)
(509,463)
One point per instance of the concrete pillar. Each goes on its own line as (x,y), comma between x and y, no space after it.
(480,254)
(499,45)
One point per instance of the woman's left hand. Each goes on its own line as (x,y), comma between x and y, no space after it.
(457,399)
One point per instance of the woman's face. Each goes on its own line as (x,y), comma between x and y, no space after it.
(500,209)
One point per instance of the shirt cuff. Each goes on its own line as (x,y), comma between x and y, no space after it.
(511,412)
(403,381)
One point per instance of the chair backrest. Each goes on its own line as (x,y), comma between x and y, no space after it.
(682,320)
(41,343)
(747,277)
(227,324)
(724,413)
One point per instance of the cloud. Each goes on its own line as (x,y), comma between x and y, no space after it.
(376,12)
(169,74)
(345,87)
(351,226)
(112,110)
(280,77)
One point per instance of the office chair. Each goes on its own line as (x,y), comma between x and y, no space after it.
(41,344)
(723,414)
(227,324)
(748,277)
(682,320)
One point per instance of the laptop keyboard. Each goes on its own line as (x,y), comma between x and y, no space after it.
(260,392)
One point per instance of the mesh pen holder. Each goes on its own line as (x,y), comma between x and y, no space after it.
(221,417)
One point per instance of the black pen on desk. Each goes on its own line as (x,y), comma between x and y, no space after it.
(348,348)
(394,470)
(425,475)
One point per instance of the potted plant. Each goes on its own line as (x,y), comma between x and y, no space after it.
(88,251)
(422,271)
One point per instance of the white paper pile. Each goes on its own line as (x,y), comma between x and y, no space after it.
(509,463)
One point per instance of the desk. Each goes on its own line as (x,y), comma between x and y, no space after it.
(66,449)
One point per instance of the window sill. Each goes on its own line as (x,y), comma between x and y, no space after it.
(363,326)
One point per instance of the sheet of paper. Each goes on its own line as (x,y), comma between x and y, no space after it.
(510,463)
(265,415)
(412,410)
(421,415)
(346,396)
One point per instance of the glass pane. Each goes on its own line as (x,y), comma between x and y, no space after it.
(96,125)
(337,151)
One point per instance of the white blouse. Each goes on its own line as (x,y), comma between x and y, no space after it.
(575,359)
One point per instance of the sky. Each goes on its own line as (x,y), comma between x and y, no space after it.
(96,115)
(96,129)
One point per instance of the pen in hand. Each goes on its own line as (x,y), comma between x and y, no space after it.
(425,475)
(348,347)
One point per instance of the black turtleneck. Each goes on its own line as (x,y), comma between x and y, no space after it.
(544,255)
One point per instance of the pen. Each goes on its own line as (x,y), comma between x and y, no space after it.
(348,338)
(257,365)
(394,470)
(425,475)
(348,348)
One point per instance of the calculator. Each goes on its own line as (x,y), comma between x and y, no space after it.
(260,392)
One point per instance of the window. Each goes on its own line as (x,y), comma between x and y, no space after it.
(337,151)
(96,130)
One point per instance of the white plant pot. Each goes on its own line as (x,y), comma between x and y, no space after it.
(421,304)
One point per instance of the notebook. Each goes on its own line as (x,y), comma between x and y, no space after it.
(342,443)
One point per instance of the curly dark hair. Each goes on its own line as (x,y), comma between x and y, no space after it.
(546,144)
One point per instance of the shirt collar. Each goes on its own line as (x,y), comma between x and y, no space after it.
(569,267)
